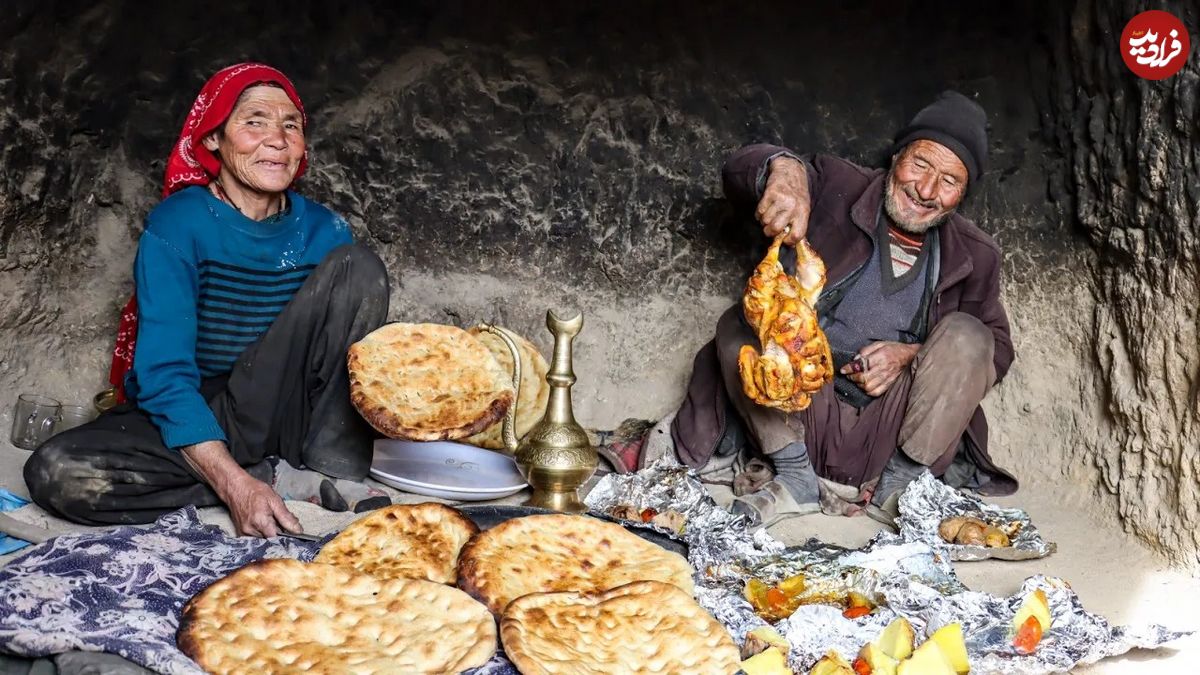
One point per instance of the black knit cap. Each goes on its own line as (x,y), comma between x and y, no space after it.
(956,122)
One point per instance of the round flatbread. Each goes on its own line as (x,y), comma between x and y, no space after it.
(403,541)
(541,554)
(427,382)
(535,391)
(643,627)
(285,616)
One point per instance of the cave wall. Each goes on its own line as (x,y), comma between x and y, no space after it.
(1131,166)
(504,158)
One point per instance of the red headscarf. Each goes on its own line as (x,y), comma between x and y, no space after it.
(191,163)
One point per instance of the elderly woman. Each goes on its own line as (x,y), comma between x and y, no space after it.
(248,296)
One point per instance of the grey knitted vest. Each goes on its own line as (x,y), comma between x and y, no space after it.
(878,306)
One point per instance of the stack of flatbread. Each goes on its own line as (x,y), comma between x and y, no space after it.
(584,596)
(550,553)
(427,382)
(642,627)
(403,541)
(285,616)
(573,594)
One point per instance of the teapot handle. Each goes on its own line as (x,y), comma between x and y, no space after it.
(509,433)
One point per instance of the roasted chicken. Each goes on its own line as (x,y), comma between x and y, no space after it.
(794,361)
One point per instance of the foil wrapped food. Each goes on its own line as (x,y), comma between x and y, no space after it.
(713,534)
(927,502)
(904,575)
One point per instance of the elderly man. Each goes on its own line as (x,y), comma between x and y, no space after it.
(912,311)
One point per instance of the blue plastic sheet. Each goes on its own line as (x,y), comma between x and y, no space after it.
(11,502)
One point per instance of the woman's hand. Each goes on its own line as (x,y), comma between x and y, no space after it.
(785,202)
(255,508)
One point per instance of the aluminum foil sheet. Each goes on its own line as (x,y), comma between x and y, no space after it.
(926,502)
(905,575)
(1076,636)
(713,534)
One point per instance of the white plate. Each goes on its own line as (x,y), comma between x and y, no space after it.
(445,469)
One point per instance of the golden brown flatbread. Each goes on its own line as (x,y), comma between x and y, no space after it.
(535,391)
(403,541)
(427,382)
(540,554)
(643,627)
(285,616)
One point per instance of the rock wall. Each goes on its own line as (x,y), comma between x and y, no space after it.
(509,157)
(1131,166)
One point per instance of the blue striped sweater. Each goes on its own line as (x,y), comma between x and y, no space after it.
(210,281)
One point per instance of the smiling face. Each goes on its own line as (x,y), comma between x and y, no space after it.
(925,185)
(262,143)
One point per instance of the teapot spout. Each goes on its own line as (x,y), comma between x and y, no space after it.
(508,433)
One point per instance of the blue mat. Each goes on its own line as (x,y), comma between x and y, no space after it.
(121,591)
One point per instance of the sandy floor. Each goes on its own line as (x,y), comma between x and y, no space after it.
(1113,574)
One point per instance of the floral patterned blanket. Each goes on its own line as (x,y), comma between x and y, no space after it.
(121,591)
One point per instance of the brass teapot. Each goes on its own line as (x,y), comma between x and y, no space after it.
(555,457)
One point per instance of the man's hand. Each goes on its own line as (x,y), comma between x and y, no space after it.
(785,202)
(255,508)
(878,366)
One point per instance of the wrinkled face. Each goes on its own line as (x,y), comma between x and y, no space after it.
(925,185)
(262,142)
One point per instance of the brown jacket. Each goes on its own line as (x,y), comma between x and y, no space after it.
(845,201)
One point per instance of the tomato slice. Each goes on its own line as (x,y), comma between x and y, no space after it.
(862,667)
(648,515)
(855,612)
(776,597)
(1028,636)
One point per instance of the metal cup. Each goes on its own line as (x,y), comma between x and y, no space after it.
(34,419)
